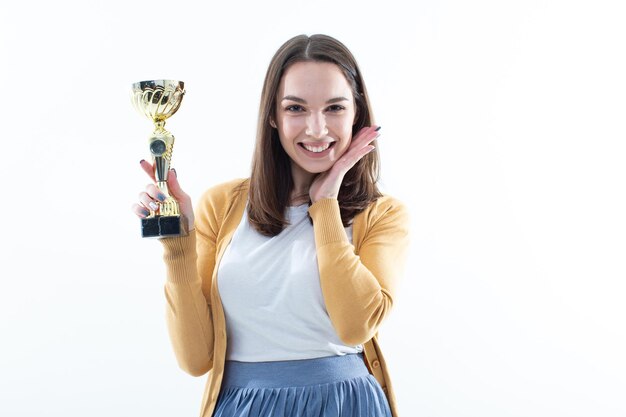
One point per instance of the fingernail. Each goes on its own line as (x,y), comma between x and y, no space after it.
(377,129)
(161,197)
(145,212)
(175,172)
(153,206)
(141,161)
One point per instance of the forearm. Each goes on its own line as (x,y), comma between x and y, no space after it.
(355,300)
(188,315)
(358,289)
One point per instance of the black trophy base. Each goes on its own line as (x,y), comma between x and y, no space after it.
(162,226)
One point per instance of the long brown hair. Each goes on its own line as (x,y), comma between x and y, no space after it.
(271,181)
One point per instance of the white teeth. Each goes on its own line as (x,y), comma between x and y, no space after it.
(316,149)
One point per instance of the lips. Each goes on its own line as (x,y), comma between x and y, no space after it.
(316,147)
(316,150)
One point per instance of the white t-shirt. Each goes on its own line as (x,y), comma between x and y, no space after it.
(271,293)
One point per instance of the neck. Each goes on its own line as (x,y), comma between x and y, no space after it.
(301,183)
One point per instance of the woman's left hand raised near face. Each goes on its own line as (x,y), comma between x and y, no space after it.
(326,184)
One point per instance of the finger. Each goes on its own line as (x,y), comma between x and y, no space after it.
(367,130)
(369,148)
(154,192)
(365,136)
(148,168)
(140,211)
(371,134)
(151,197)
(174,185)
(361,133)
(360,154)
(349,160)
(367,139)
(147,202)
(183,199)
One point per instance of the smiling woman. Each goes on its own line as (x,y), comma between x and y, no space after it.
(281,285)
(316,132)
(313,93)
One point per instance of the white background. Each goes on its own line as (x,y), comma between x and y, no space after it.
(503,131)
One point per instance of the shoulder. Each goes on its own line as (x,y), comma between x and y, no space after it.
(225,191)
(385,221)
(217,200)
(386,208)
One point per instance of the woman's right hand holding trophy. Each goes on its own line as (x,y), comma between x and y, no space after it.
(150,198)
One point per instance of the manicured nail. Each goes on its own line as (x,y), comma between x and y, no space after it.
(141,161)
(153,206)
(161,197)
(145,212)
(377,129)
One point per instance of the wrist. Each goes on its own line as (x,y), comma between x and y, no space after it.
(323,197)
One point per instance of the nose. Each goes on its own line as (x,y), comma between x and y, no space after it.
(316,126)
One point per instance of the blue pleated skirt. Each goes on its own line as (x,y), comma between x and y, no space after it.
(333,386)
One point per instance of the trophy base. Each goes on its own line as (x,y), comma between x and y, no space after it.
(163,226)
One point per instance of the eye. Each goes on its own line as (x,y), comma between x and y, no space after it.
(336,108)
(294,108)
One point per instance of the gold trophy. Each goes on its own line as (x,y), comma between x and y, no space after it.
(158,100)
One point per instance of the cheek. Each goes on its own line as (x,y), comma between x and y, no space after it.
(291,126)
(342,123)
(343,127)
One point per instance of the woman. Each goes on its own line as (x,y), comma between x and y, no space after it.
(284,279)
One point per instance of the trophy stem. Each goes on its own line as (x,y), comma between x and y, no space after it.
(162,186)
(161,168)
(159,126)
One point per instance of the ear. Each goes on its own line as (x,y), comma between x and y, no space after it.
(273,124)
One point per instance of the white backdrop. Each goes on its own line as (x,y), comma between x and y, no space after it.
(503,131)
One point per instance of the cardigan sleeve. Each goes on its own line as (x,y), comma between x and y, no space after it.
(359,288)
(190,261)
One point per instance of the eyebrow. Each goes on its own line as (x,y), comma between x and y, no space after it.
(300,100)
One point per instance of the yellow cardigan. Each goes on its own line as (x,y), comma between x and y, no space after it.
(358,281)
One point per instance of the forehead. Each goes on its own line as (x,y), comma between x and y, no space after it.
(314,81)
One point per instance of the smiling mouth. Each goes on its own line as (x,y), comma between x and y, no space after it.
(317,149)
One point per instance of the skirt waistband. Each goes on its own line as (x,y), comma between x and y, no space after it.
(303,372)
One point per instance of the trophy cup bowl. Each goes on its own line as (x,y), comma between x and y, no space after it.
(158,100)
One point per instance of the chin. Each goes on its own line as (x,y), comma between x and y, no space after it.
(317,169)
